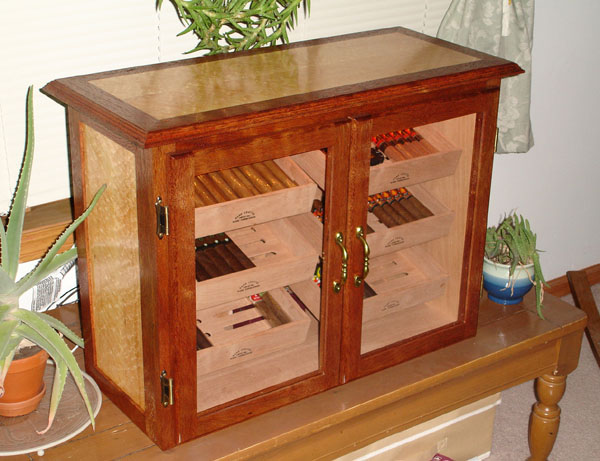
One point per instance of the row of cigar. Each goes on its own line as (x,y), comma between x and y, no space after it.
(244,181)
(400,145)
(268,309)
(218,255)
(396,207)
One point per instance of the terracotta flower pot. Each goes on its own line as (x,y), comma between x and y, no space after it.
(24,385)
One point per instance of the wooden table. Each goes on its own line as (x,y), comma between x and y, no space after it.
(512,346)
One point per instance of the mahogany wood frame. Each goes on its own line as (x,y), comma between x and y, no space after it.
(169,153)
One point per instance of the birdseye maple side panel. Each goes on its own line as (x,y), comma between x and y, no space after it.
(113,270)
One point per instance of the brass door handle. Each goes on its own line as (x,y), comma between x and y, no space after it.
(339,240)
(367,252)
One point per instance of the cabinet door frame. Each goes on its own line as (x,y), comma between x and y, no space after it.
(481,100)
(210,155)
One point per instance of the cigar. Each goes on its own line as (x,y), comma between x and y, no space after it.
(205,266)
(405,216)
(238,254)
(211,253)
(415,142)
(396,149)
(236,184)
(210,186)
(223,186)
(202,193)
(421,210)
(398,217)
(403,144)
(280,174)
(198,201)
(209,259)
(244,180)
(262,169)
(201,273)
(387,219)
(428,147)
(222,250)
(256,179)
(406,212)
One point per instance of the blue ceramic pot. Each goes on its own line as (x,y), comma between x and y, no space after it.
(499,285)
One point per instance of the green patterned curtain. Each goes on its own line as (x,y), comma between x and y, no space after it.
(503,28)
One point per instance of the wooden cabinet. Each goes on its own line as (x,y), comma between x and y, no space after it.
(277,222)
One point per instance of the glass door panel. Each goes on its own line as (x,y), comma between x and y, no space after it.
(259,246)
(415,230)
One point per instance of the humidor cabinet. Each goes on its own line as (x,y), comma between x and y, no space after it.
(277,222)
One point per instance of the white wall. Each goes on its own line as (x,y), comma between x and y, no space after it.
(554,184)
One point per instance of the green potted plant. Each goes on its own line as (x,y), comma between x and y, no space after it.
(512,263)
(226,25)
(21,328)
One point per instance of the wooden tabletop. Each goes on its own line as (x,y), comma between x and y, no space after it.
(512,346)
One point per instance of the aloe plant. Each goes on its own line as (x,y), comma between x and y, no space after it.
(17,324)
(513,243)
(232,25)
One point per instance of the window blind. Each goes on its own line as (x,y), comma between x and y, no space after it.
(45,40)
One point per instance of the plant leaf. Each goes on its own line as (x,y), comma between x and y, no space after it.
(34,329)
(14,230)
(28,281)
(34,276)
(7,328)
(4,366)
(58,386)
(7,285)
(61,327)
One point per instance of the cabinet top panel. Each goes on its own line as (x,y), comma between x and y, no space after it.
(200,90)
(199,86)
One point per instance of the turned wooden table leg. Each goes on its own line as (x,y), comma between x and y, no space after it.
(545,416)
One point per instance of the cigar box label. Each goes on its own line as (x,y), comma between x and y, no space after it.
(244,216)
(400,177)
(394,242)
(390,305)
(256,297)
(250,285)
(241,353)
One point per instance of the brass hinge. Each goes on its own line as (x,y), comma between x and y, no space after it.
(162,218)
(166,386)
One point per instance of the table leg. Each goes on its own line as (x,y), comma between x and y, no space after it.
(545,416)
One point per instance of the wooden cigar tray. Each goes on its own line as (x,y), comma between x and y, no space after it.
(400,280)
(389,239)
(392,174)
(280,252)
(259,371)
(243,212)
(237,337)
